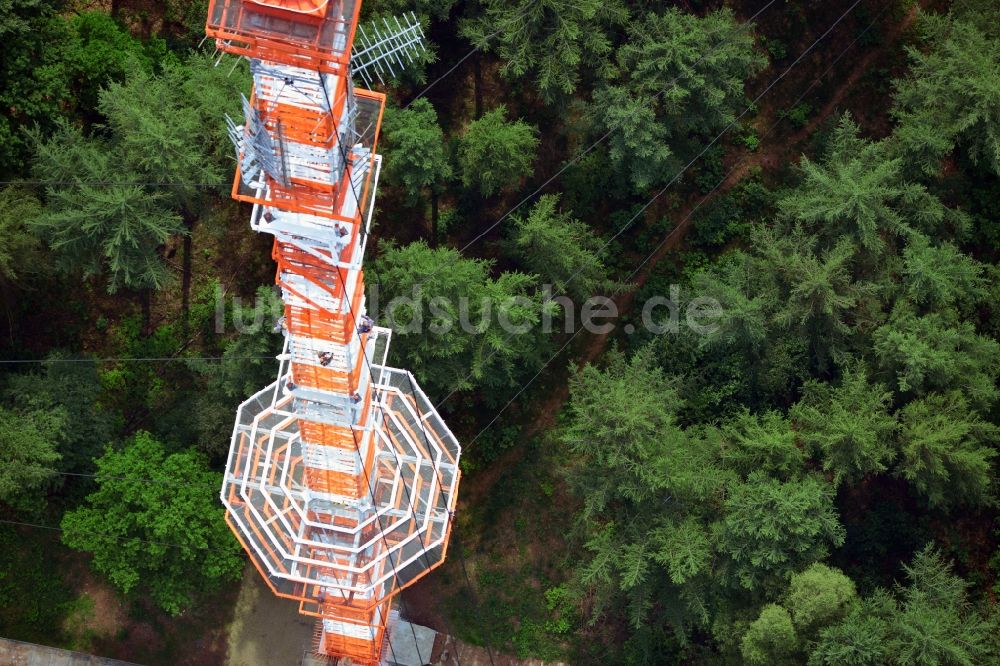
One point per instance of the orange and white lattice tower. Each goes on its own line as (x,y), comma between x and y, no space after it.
(342,478)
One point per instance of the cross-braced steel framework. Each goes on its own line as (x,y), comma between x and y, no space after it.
(342,478)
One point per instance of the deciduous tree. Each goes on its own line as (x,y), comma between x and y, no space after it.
(99,216)
(155,525)
(819,597)
(771,638)
(20,254)
(69,387)
(54,64)
(100,51)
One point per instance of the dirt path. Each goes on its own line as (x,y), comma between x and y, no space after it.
(777,153)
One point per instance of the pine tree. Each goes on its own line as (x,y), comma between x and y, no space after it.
(928,621)
(495,153)
(941,277)
(817,290)
(763,442)
(849,426)
(931,353)
(946,452)
(552,39)
(561,249)
(771,529)
(457,327)
(29,455)
(952,96)
(99,215)
(678,79)
(859,191)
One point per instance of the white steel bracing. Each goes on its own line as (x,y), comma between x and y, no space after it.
(267,446)
(342,478)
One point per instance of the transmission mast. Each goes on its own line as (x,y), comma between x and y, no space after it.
(342,478)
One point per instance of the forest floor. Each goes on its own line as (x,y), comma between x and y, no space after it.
(266,629)
(66,605)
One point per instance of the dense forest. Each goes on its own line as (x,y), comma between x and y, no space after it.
(811,479)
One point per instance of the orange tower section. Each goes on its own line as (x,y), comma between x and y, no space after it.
(342,478)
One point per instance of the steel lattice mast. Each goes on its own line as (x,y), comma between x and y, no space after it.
(342,478)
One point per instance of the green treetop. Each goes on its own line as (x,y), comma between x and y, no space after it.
(933,353)
(560,248)
(848,426)
(553,39)
(415,156)
(946,450)
(115,198)
(764,442)
(648,490)
(941,277)
(19,246)
(170,128)
(952,96)
(772,528)
(99,215)
(155,524)
(71,388)
(857,190)
(818,293)
(929,621)
(771,638)
(816,598)
(678,78)
(29,455)
(457,327)
(495,153)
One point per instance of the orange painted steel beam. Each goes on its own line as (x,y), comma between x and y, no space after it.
(328,484)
